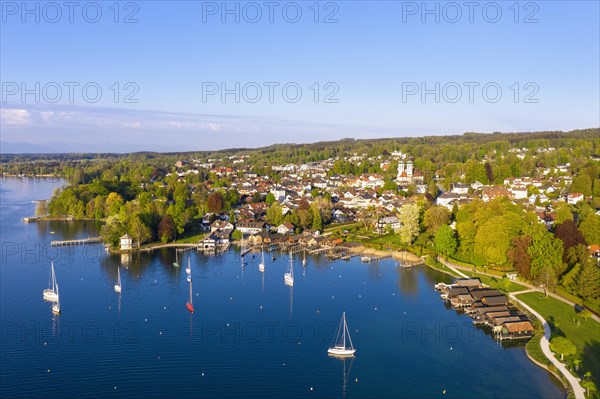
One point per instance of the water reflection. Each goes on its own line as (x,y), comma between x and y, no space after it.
(346,369)
(408,281)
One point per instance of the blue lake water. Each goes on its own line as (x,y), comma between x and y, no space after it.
(251,336)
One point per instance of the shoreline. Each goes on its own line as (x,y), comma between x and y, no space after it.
(561,378)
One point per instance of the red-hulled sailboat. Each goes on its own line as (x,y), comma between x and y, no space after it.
(190,305)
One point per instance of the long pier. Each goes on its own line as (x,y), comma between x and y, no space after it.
(179,246)
(80,241)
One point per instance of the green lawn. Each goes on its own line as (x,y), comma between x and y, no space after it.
(388,241)
(191,239)
(564,320)
(497,282)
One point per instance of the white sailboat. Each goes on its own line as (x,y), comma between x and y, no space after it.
(188,270)
(304,260)
(343,345)
(288,278)
(56,305)
(118,285)
(261,265)
(51,293)
(176,263)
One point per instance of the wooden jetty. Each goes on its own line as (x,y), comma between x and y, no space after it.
(80,241)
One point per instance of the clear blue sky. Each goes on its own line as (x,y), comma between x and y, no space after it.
(377,58)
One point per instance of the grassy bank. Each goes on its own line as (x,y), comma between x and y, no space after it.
(565,321)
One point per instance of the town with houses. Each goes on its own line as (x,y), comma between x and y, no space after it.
(351,197)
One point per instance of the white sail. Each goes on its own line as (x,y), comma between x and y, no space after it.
(188,270)
(51,293)
(261,265)
(118,285)
(288,278)
(343,344)
(56,305)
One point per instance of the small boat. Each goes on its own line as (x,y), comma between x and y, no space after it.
(365,259)
(261,265)
(118,285)
(273,258)
(304,260)
(288,278)
(51,293)
(176,263)
(341,347)
(189,305)
(188,270)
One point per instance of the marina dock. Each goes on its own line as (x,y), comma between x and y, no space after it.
(80,241)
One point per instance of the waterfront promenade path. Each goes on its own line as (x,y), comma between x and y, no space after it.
(545,344)
(455,267)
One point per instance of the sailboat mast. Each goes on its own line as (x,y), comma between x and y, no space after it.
(191,292)
(344,321)
(53,279)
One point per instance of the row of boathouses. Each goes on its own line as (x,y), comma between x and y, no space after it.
(488,307)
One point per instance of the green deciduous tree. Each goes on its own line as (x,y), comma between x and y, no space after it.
(563,213)
(546,253)
(445,243)
(274,214)
(139,230)
(409,217)
(590,229)
(317,223)
(113,204)
(112,230)
(435,217)
(563,346)
(588,280)
(581,183)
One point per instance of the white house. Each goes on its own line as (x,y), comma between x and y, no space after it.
(391,221)
(460,188)
(250,227)
(519,192)
(447,200)
(574,198)
(126,242)
(279,193)
(285,228)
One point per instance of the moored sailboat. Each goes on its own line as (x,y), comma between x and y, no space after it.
(288,278)
(188,270)
(343,343)
(51,293)
(118,285)
(56,305)
(261,265)
(176,263)
(190,305)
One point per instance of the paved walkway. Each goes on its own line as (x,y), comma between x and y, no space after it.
(450,266)
(545,344)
